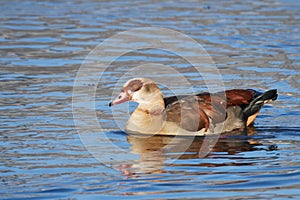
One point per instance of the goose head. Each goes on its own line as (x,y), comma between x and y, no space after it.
(144,91)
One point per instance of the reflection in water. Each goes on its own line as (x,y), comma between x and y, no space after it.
(156,152)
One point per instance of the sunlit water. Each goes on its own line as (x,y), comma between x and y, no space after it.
(42,45)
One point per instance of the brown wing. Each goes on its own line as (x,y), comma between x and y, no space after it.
(187,114)
(196,112)
(240,97)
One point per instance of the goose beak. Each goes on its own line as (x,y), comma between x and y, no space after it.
(121,98)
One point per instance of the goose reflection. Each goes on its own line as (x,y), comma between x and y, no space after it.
(156,152)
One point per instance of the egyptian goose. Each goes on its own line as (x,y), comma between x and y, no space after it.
(196,115)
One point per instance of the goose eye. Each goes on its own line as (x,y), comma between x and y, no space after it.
(135,85)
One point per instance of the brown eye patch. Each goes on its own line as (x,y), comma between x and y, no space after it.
(134,85)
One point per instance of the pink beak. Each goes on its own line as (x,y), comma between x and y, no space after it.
(121,98)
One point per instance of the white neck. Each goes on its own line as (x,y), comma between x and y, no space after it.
(148,116)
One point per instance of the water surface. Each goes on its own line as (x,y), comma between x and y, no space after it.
(42,45)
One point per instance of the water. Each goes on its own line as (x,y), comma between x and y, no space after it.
(42,45)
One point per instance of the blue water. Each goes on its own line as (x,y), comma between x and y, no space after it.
(46,152)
